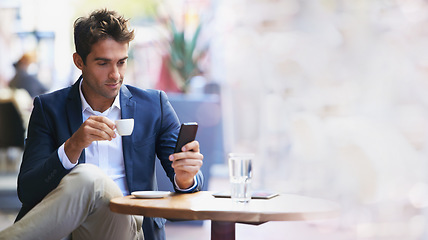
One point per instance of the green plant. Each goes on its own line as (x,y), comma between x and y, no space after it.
(184,55)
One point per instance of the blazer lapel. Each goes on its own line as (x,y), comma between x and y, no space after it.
(127,106)
(126,103)
(74,112)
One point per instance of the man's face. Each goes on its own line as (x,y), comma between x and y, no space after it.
(104,70)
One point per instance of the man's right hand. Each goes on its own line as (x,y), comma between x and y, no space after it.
(95,128)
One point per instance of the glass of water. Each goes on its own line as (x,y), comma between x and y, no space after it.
(240,173)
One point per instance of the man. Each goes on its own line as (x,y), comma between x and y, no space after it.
(74,162)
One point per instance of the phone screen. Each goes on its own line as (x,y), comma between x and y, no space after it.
(187,134)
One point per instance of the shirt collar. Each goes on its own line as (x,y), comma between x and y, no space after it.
(87,107)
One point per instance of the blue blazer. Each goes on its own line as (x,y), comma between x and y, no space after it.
(57,115)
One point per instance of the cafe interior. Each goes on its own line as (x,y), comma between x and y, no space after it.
(331,97)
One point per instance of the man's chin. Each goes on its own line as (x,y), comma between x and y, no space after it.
(111,93)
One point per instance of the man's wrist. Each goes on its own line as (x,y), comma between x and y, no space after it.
(66,163)
(71,151)
(190,189)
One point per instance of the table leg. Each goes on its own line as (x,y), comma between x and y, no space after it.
(222,230)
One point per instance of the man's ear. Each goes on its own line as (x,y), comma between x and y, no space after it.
(78,61)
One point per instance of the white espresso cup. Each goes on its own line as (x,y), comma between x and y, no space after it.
(125,127)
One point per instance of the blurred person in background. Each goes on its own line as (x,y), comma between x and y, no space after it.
(23,79)
(74,163)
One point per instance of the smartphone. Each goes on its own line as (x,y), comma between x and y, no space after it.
(187,134)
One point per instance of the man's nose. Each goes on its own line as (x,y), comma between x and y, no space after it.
(114,73)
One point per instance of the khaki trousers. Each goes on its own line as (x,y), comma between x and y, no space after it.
(78,206)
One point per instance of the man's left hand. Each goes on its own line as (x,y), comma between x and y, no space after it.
(186,164)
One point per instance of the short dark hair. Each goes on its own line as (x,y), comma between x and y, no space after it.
(100,25)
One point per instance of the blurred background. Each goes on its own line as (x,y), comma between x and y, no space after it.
(331,96)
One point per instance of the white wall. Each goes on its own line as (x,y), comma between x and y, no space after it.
(331,95)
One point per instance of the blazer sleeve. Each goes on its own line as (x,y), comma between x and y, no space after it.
(41,170)
(170,126)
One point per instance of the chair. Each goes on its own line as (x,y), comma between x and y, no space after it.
(11,135)
(11,126)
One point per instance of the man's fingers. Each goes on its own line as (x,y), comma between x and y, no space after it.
(102,119)
(186,155)
(101,127)
(187,162)
(192,146)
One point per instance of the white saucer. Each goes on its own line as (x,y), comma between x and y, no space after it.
(150,194)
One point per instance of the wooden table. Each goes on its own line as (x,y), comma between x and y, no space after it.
(224,213)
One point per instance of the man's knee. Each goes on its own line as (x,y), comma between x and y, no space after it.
(88,170)
(91,180)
